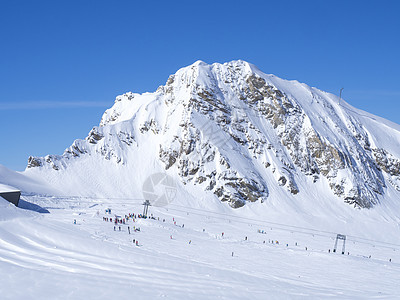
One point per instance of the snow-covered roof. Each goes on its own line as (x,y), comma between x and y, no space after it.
(6,188)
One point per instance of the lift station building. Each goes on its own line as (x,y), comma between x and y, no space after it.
(10,194)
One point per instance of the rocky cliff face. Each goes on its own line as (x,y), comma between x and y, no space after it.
(236,132)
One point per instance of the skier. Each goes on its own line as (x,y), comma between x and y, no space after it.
(114,228)
(129,230)
(119,228)
(222,234)
(74,221)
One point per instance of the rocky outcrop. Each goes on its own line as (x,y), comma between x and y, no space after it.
(235,132)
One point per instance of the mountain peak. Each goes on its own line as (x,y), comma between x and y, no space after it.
(199,63)
(239,135)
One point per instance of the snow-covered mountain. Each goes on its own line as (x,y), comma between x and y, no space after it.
(232,132)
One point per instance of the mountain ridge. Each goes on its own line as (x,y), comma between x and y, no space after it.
(239,134)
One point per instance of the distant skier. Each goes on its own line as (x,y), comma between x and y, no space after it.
(74,221)
(129,230)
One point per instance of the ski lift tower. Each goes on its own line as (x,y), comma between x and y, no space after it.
(340,97)
(340,237)
(146,204)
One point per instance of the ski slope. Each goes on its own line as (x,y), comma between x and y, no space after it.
(51,257)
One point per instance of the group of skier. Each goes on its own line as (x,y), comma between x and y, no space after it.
(118,221)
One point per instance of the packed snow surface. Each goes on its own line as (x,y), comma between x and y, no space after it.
(183,253)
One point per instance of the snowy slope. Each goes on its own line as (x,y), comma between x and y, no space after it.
(25,183)
(237,134)
(49,257)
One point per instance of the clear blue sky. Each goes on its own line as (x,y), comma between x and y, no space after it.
(62,63)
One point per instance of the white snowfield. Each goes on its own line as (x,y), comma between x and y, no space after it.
(57,245)
(47,256)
